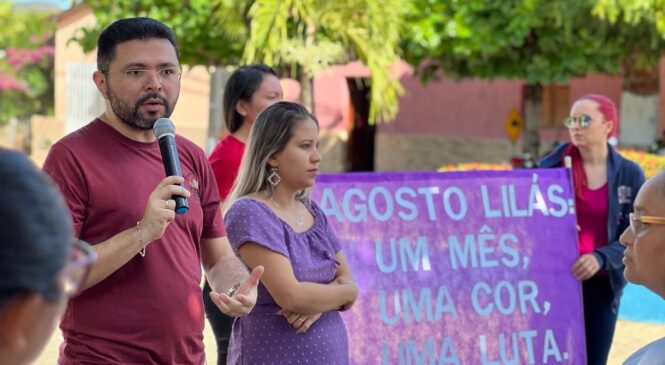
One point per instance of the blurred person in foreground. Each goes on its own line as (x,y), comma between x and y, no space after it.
(644,256)
(273,223)
(142,301)
(605,187)
(39,267)
(249,90)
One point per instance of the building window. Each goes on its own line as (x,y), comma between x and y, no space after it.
(555,105)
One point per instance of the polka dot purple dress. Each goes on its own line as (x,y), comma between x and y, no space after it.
(263,337)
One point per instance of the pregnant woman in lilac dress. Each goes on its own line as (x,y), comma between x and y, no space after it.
(272,222)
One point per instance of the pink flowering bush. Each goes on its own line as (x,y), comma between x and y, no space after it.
(26,63)
(17,58)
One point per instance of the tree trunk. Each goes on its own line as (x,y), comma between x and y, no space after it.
(218,79)
(25,133)
(307,82)
(307,94)
(532,104)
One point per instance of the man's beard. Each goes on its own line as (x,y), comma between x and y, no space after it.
(131,115)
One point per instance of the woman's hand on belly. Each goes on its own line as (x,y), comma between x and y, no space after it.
(301,322)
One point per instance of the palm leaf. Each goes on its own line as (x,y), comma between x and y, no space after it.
(366,30)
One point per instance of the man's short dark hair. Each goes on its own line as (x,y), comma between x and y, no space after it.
(36,231)
(129,29)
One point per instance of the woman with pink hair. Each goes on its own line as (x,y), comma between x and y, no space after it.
(606,185)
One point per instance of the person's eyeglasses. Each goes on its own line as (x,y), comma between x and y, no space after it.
(638,222)
(169,74)
(581,121)
(74,274)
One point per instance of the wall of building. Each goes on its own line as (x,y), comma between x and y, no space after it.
(42,128)
(450,121)
(473,108)
(444,121)
(422,152)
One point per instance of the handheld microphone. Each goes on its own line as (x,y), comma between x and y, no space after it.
(164,130)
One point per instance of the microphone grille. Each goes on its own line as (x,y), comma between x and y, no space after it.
(163,126)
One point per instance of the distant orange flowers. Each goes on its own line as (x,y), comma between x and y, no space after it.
(474,166)
(650,163)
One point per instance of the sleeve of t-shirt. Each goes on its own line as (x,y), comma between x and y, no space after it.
(64,169)
(330,232)
(249,221)
(225,172)
(213,224)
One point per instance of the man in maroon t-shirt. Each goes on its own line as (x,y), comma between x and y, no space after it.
(142,300)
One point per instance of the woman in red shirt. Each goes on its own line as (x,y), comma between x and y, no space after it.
(249,90)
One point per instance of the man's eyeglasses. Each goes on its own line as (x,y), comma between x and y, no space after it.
(638,222)
(581,121)
(169,74)
(74,274)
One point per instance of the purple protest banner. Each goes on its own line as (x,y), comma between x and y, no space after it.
(459,267)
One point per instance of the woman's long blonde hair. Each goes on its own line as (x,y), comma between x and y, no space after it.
(271,132)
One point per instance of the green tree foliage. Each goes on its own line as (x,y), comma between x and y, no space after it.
(209,32)
(303,36)
(26,63)
(633,12)
(540,41)
(642,28)
(313,34)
